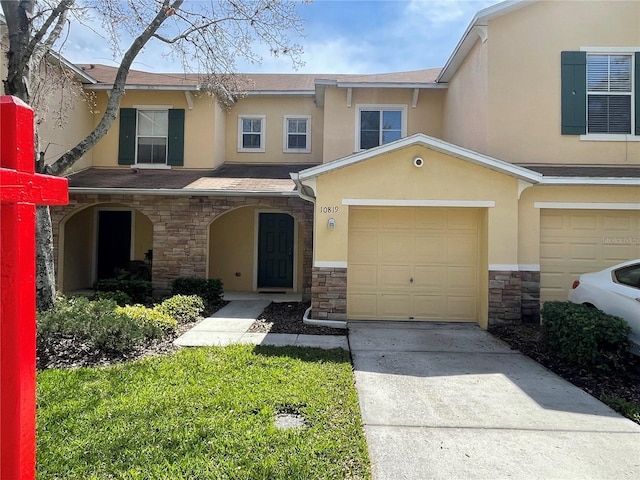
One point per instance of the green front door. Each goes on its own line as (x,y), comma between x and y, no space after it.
(275,250)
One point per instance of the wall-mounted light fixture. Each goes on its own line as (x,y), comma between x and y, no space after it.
(331,223)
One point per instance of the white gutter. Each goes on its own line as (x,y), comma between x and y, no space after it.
(182,192)
(308,93)
(389,85)
(109,86)
(632,181)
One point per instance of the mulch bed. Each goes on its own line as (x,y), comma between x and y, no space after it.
(528,340)
(287,318)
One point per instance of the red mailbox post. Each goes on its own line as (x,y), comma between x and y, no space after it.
(20,191)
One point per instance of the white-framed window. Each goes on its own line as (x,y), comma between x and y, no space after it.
(379,124)
(152,136)
(297,134)
(251,133)
(610,93)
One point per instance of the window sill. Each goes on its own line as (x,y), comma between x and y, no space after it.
(251,150)
(151,166)
(605,137)
(297,150)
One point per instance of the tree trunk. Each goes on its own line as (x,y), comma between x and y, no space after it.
(45,272)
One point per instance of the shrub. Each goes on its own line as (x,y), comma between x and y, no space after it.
(138,290)
(209,289)
(184,308)
(121,298)
(152,321)
(83,327)
(585,336)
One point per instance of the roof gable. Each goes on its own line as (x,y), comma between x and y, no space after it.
(430,143)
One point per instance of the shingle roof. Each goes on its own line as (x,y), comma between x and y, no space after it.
(290,82)
(267,178)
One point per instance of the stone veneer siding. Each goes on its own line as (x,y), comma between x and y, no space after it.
(329,293)
(181,225)
(514,297)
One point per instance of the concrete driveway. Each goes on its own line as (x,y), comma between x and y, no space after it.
(450,401)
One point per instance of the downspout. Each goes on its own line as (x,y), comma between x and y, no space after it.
(305,319)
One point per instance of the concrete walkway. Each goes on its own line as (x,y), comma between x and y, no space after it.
(229,325)
(450,401)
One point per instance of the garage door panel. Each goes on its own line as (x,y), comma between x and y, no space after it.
(552,250)
(363,218)
(619,223)
(462,219)
(395,305)
(397,219)
(395,248)
(429,249)
(583,222)
(619,253)
(367,250)
(429,276)
(364,276)
(573,242)
(394,276)
(461,278)
(431,219)
(363,305)
(428,307)
(427,264)
(462,250)
(462,308)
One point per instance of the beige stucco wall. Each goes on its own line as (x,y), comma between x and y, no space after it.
(78,232)
(232,249)
(524,79)
(529,215)
(274,108)
(392,176)
(143,235)
(466,102)
(340,125)
(200,128)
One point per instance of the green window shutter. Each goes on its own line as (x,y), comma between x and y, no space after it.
(637,93)
(574,93)
(175,149)
(127,145)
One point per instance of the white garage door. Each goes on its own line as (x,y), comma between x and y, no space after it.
(573,242)
(413,263)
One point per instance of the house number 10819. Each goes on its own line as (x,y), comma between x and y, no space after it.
(333,209)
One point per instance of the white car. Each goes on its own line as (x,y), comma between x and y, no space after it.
(614,290)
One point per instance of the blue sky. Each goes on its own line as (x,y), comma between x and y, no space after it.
(355,36)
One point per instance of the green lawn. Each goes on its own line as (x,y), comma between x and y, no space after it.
(203,413)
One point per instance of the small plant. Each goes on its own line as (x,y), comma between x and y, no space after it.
(77,327)
(138,290)
(152,321)
(183,308)
(121,298)
(585,336)
(209,289)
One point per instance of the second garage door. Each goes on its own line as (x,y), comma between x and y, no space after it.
(573,242)
(413,263)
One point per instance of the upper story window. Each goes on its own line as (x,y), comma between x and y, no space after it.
(379,124)
(251,133)
(609,93)
(600,94)
(297,134)
(152,136)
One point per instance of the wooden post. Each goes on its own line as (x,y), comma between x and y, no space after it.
(20,191)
